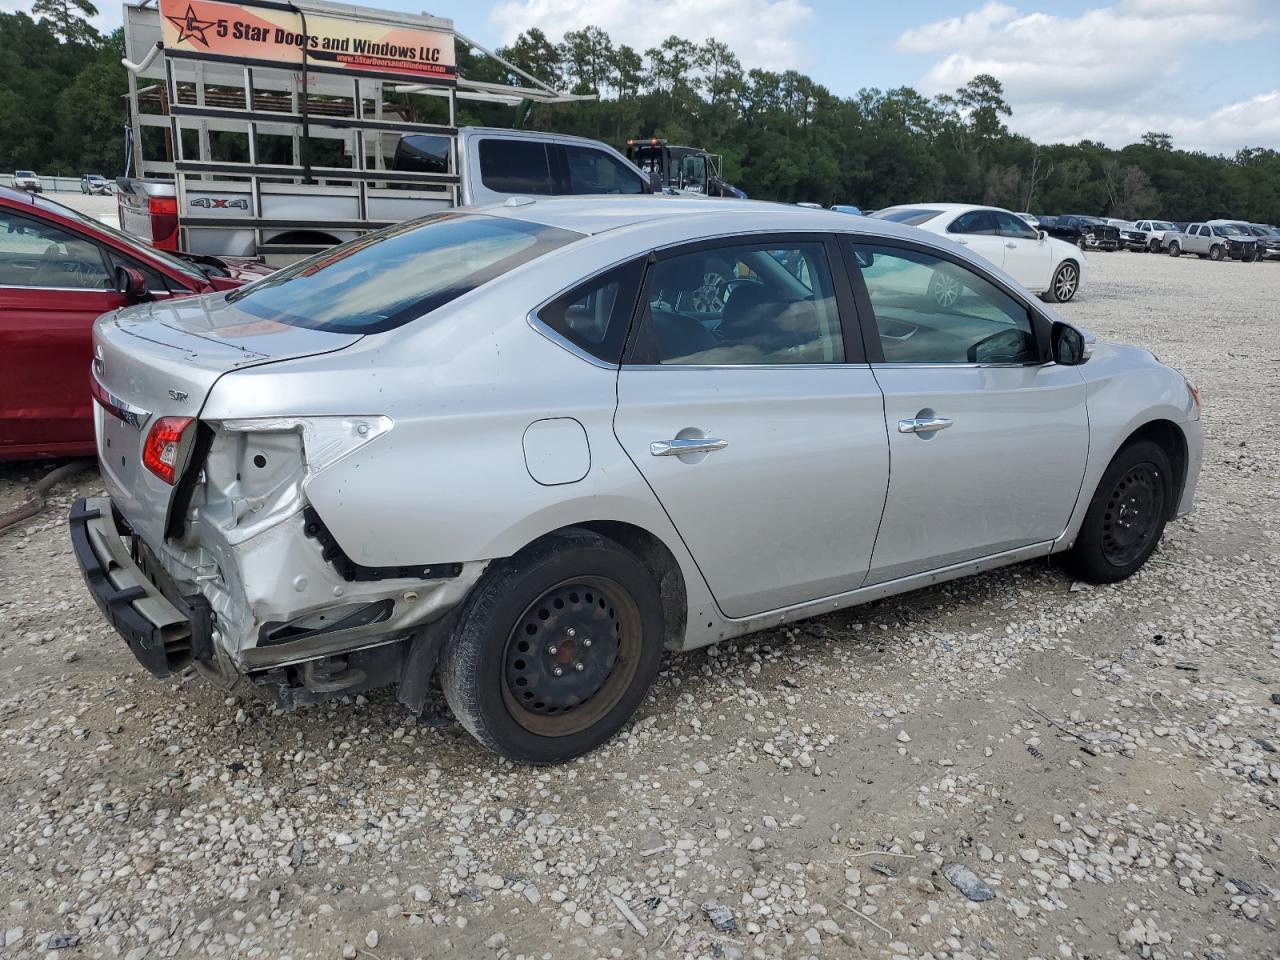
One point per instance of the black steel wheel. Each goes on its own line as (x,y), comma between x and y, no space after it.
(571,656)
(1135,508)
(1126,516)
(555,648)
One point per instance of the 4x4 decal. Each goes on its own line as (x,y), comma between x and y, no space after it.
(220,203)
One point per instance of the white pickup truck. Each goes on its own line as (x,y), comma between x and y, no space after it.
(230,158)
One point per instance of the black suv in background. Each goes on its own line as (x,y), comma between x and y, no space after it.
(1088,233)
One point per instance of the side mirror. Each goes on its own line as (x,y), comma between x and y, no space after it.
(655,182)
(1070,346)
(131,285)
(1044,234)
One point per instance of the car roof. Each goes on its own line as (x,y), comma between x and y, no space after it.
(944,207)
(598,214)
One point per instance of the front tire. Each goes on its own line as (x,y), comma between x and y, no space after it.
(1126,516)
(1065,283)
(1215,252)
(1175,249)
(555,649)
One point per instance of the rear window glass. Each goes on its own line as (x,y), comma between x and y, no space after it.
(387,278)
(911,216)
(516,166)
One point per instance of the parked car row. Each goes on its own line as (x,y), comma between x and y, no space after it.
(29,180)
(1212,239)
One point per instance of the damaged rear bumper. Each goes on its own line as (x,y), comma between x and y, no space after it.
(278,606)
(163,634)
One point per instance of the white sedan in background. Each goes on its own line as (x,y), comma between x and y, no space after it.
(1053,268)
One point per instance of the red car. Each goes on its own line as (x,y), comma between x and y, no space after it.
(59,271)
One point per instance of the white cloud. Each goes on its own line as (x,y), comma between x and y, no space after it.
(760,32)
(1110,73)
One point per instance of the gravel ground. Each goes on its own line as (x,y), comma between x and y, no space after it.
(1102,761)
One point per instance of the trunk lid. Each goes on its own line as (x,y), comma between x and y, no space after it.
(161,360)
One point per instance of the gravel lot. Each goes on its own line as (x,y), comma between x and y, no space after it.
(1103,758)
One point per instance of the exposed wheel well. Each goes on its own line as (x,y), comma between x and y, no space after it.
(312,238)
(655,555)
(1169,436)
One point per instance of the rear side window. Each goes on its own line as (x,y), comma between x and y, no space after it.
(975,221)
(594,171)
(909,216)
(423,153)
(595,316)
(390,277)
(516,166)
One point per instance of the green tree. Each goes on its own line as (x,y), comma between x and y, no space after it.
(69,18)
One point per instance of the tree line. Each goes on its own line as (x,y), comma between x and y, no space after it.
(782,135)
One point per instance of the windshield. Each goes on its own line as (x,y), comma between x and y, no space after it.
(94,177)
(387,278)
(24,173)
(1162,225)
(911,216)
(1229,230)
(133,243)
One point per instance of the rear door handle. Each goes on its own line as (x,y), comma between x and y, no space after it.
(923,425)
(676,448)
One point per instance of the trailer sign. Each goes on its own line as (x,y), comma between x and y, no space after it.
(273,34)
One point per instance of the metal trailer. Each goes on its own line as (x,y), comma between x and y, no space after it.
(231,157)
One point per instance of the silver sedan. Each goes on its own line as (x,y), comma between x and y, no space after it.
(524,449)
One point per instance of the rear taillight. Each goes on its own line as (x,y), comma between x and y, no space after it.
(166,443)
(164,222)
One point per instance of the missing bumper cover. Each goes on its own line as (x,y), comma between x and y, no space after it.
(353,572)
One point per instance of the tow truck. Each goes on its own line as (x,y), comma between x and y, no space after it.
(682,170)
(276,130)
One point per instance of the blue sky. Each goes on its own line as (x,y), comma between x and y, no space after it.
(1206,71)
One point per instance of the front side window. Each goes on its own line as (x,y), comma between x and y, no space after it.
(594,171)
(516,166)
(693,172)
(595,315)
(1011,226)
(34,253)
(387,278)
(931,310)
(975,221)
(767,303)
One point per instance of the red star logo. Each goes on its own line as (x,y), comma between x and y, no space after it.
(191,27)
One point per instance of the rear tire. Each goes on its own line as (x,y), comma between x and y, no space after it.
(1126,516)
(577,603)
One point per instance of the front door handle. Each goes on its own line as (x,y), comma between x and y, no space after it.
(1011,246)
(923,425)
(677,448)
